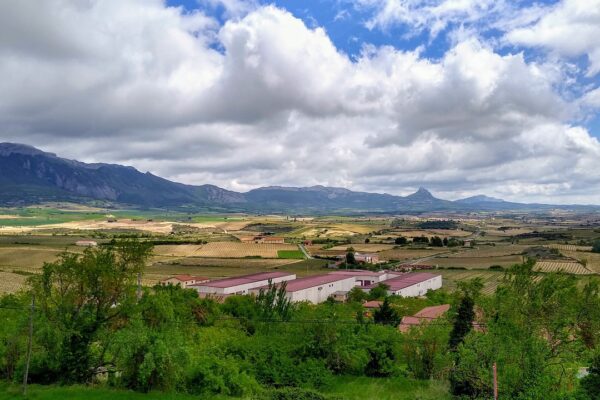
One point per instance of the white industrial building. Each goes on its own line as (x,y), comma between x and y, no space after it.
(365,278)
(242,284)
(315,289)
(411,285)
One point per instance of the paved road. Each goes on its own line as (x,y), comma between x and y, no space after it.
(302,249)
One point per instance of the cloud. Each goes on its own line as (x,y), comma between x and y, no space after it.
(427,15)
(570,29)
(265,100)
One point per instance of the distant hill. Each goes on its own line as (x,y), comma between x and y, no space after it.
(31,176)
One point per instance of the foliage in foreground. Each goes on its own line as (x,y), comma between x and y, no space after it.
(91,326)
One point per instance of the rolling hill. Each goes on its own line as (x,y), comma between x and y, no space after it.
(32,176)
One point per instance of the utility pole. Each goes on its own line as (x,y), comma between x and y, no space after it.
(29,345)
(495,381)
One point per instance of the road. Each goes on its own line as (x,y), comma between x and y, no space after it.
(302,249)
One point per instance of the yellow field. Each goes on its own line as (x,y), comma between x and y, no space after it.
(367,247)
(474,262)
(177,250)
(491,251)
(240,250)
(570,247)
(490,279)
(26,258)
(405,254)
(569,267)
(10,282)
(592,260)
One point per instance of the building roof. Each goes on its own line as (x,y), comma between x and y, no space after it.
(311,281)
(187,278)
(405,280)
(357,272)
(423,316)
(372,304)
(433,311)
(241,280)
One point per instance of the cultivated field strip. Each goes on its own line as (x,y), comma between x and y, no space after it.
(241,250)
(569,267)
(570,247)
(366,248)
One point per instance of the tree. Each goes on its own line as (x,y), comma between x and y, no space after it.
(401,240)
(274,302)
(445,241)
(379,292)
(357,295)
(350,258)
(590,384)
(386,314)
(596,246)
(367,240)
(81,295)
(465,315)
(436,241)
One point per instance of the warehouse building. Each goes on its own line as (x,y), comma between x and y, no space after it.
(242,284)
(411,285)
(365,278)
(316,289)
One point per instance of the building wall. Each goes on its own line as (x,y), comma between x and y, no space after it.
(320,293)
(420,289)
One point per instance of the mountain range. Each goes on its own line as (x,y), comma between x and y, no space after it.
(32,176)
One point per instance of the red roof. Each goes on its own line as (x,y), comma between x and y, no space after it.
(357,272)
(311,281)
(425,315)
(241,280)
(433,311)
(405,280)
(372,304)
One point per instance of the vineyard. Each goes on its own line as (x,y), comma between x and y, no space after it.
(570,247)
(490,279)
(569,267)
(241,250)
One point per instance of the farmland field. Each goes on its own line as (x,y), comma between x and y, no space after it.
(474,262)
(290,254)
(490,279)
(403,254)
(490,251)
(570,247)
(240,250)
(367,247)
(569,267)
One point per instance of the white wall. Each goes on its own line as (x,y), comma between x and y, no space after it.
(420,289)
(320,293)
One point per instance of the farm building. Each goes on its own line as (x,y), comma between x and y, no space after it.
(412,284)
(366,258)
(86,243)
(316,289)
(365,278)
(425,315)
(184,280)
(242,284)
(372,304)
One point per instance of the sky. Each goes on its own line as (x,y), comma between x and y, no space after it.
(463,97)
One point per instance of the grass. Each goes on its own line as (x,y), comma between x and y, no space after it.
(290,254)
(360,388)
(38,392)
(344,387)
